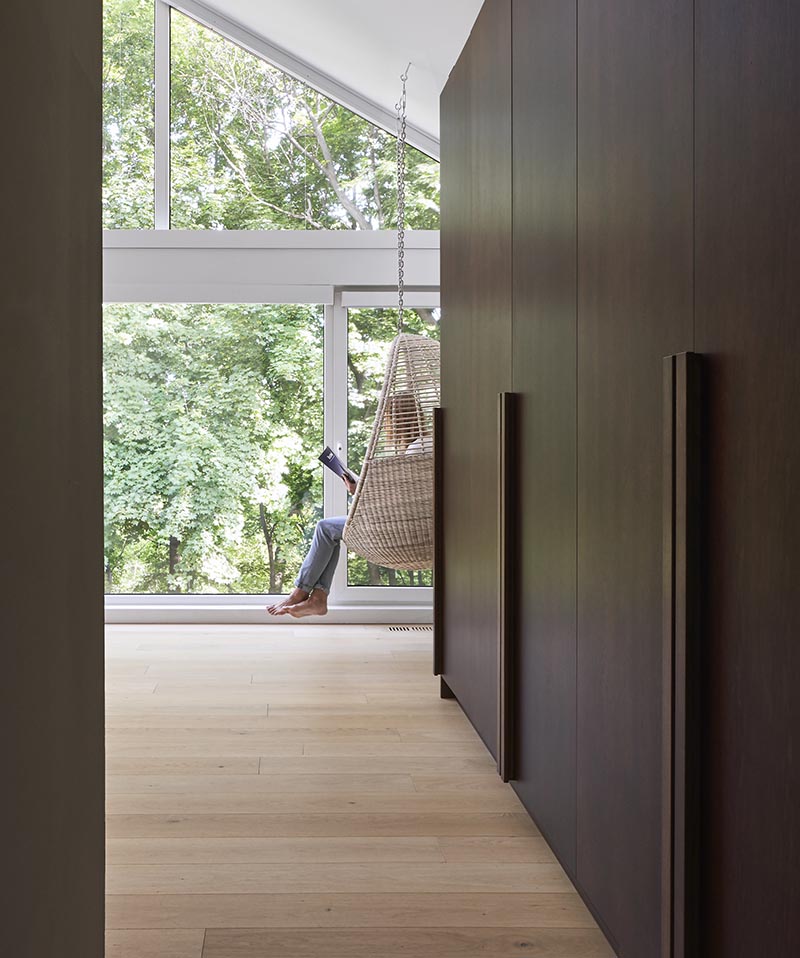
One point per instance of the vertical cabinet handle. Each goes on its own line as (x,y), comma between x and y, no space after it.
(682,565)
(507,569)
(438,540)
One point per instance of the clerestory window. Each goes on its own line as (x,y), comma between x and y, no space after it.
(250,147)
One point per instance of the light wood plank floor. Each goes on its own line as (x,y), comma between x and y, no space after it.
(303,792)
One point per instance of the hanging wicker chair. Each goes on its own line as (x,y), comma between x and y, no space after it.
(391,518)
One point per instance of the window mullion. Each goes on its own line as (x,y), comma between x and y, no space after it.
(162,114)
(336,423)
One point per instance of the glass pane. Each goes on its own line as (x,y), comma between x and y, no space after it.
(369,334)
(249,146)
(213,424)
(128,114)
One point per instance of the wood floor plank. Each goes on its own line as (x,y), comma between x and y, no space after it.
(198,851)
(562,910)
(321,803)
(398,749)
(350,877)
(229,825)
(210,765)
(199,748)
(376,720)
(247,720)
(150,741)
(257,784)
(440,733)
(406,765)
(115,684)
(149,943)
(246,691)
(489,781)
(496,849)
(407,943)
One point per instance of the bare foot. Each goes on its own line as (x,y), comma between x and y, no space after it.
(294,598)
(315,604)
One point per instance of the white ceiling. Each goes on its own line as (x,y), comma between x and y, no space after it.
(366,44)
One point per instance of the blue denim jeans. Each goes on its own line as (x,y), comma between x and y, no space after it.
(320,563)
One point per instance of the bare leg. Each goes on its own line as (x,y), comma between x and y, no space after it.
(296,596)
(316,573)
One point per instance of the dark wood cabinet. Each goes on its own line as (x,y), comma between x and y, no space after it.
(544,332)
(476,353)
(634,308)
(621,183)
(748,330)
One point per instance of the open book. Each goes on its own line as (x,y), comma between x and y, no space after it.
(335,464)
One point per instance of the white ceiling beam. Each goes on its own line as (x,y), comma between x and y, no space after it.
(301,70)
(214,266)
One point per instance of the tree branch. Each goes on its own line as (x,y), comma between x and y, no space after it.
(329,170)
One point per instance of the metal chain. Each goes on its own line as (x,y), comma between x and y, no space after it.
(401,198)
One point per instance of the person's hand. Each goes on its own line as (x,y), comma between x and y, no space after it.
(351,486)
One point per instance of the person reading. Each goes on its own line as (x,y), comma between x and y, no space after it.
(404,436)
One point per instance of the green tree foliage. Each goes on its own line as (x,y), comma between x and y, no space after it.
(128,114)
(253,148)
(213,422)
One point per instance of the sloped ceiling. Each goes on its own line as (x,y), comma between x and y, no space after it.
(366,44)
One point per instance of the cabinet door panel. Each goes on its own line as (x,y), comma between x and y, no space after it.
(476,351)
(748,327)
(544,376)
(634,307)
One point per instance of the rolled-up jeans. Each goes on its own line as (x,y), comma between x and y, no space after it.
(320,563)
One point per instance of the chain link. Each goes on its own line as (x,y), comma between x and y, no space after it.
(401,199)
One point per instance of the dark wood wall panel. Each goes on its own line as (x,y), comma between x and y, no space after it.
(634,307)
(544,333)
(748,327)
(51,615)
(476,351)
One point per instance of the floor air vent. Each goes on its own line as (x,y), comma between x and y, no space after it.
(410,628)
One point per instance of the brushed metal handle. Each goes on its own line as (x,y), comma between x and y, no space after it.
(507,408)
(682,568)
(438,540)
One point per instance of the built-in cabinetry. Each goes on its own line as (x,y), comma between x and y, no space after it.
(621,183)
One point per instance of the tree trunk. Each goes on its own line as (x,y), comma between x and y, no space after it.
(174,558)
(268,532)
(358,376)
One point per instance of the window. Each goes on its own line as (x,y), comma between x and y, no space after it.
(253,148)
(247,145)
(213,424)
(128,114)
(369,333)
(215,414)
